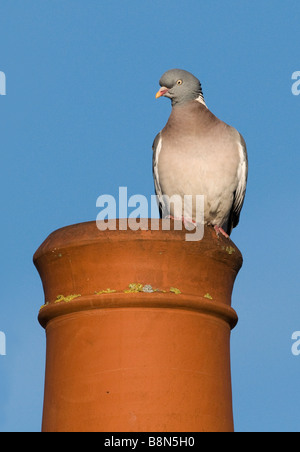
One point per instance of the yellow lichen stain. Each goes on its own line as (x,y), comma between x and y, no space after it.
(207,295)
(60,298)
(230,250)
(175,290)
(105,291)
(137,287)
(134,288)
(160,290)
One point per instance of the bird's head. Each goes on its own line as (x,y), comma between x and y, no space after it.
(180,86)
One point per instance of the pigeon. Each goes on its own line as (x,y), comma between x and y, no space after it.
(198,154)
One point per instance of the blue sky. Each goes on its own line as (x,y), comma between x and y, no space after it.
(78,121)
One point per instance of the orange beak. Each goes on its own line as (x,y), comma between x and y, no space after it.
(161,92)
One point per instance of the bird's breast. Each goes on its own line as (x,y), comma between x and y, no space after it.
(191,167)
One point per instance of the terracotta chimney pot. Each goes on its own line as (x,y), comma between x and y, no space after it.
(138,330)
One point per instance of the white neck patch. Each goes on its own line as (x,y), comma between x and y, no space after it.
(201,100)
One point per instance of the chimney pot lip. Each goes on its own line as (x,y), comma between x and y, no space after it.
(87,233)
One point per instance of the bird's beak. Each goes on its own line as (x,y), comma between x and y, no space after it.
(161,92)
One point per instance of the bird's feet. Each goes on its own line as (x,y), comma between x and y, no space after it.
(221,231)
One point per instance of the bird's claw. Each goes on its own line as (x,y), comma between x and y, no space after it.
(221,231)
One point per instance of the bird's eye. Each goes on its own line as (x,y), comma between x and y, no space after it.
(179,82)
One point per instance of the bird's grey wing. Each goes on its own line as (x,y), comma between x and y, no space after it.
(157,144)
(240,192)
